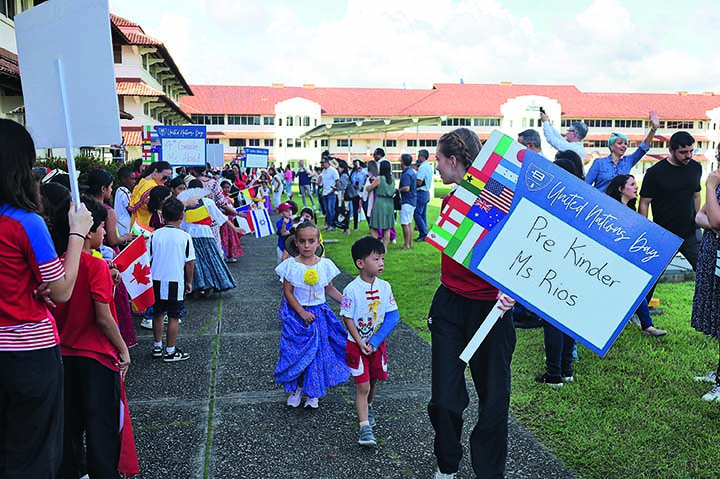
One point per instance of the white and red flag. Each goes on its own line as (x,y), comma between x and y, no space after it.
(134,265)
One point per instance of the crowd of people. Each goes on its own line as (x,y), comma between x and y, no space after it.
(66,324)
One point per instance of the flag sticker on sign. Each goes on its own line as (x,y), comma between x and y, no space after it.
(481,200)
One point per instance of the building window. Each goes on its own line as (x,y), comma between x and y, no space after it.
(208,119)
(341,119)
(7,8)
(596,143)
(628,123)
(280,142)
(567,122)
(344,143)
(486,122)
(306,121)
(298,143)
(268,142)
(213,141)
(238,142)
(658,144)
(389,143)
(289,121)
(412,143)
(243,119)
(532,122)
(428,143)
(117,53)
(290,143)
(268,120)
(679,125)
(253,142)
(591,123)
(324,143)
(279,121)
(457,122)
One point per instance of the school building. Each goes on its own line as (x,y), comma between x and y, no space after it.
(299,122)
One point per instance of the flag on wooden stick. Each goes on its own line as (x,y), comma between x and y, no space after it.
(134,264)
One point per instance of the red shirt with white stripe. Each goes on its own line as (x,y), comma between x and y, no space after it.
(27,258)
(80,334)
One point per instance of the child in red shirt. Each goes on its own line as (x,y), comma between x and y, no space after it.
(94,356)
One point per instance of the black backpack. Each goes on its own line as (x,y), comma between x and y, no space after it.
(397,200)
(342,218)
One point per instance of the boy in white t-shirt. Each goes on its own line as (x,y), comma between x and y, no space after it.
(172,263)
(369,311)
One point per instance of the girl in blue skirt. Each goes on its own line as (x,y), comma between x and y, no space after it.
(312,342)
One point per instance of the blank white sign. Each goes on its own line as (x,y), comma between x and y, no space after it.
(66,46)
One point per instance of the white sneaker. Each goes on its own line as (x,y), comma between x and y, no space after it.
(442,475)
(709,377)
(146,324)
(713,395)
(294,398)
(311,403)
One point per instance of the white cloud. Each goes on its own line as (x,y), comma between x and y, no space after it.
(605,46)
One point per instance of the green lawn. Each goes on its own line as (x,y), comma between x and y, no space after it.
(637,413)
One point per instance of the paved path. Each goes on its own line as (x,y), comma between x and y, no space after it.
(221,415)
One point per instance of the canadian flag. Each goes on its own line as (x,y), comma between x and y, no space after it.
(134,265)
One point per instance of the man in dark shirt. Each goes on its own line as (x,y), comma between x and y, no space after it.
(672,187)
(304,183)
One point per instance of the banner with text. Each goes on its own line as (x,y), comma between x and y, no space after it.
(256,157)
(183,145)
(577,257)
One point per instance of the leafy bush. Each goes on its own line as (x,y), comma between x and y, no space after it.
(83,164)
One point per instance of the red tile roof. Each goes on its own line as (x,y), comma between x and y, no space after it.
(461,100)
(132,135)
(133,34)
(9,64)
(123,22)
(259,100)
(136,88)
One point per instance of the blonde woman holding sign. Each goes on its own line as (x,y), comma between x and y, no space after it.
(460,306)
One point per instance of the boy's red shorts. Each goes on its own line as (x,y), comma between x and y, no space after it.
(363,367)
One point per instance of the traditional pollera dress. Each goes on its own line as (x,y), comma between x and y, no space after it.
(211,272)
(311,355)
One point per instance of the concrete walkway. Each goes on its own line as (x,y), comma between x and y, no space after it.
(221,415)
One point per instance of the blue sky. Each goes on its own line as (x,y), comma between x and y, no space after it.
(598,45)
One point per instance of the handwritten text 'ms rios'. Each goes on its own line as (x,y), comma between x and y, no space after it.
(601,220)
(573,251)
